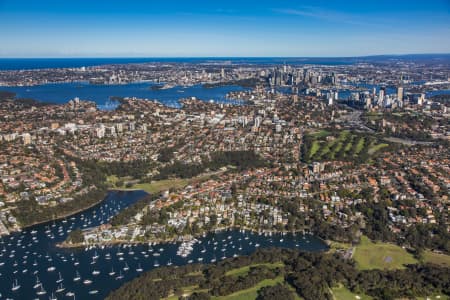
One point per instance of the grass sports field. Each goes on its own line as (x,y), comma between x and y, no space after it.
(369,255)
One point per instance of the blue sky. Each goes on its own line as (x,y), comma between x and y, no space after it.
(77,28)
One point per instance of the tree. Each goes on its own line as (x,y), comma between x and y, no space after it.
(276,292)
(76,236)
(119,183)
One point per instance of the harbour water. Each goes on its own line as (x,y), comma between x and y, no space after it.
(100,94)
(32,267)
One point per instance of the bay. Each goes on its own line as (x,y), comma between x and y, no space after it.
(33,251)
(63,92)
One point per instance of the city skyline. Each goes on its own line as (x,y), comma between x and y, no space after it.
(222,29)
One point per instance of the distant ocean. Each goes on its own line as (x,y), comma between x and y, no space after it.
(46,63)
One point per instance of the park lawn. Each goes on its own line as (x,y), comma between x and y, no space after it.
(250,293)
(166,184)
(340,292)
(190,289)
(161,185)
(337,148)
(348,146)
(436,258)
(369,255)
(330,144)
(320,134)
(343,135)
(325,150)
(112,179)
(344,146)
(359,146)
(314,148)
(375,148)
(244,270)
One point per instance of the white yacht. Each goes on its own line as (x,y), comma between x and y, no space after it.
(139,268)
(37,284)
(60,288)
(41,291)
(77,277)
(126,268)
(15,286)
(60,279)
(120,276)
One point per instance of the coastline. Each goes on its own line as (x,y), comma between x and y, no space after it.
(65,215)
(65,245)
(185,238)
(69,214)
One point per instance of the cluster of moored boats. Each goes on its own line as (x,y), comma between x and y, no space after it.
(186,248)
(22,255)
(30,265)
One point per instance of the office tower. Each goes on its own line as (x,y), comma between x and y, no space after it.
(381,95)
(421,99)
(400,93)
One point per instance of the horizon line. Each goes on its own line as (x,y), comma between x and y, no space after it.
(220,57)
